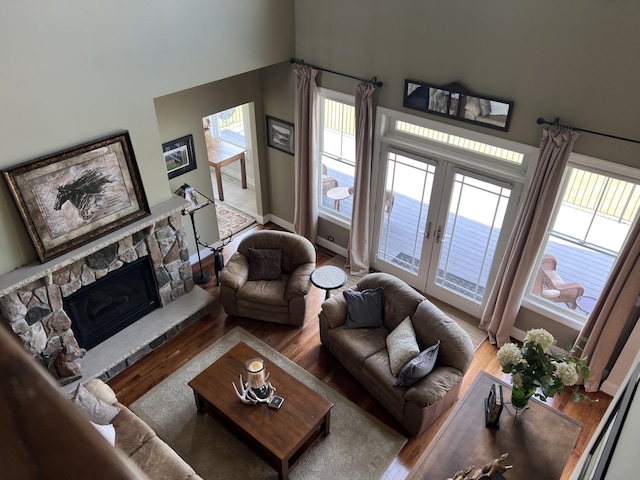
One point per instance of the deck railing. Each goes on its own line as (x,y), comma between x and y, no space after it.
(609,197)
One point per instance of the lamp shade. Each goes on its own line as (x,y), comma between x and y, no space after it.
(196,199)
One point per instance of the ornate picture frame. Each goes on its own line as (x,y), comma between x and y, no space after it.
(74,196)
(179,156)
(280,135)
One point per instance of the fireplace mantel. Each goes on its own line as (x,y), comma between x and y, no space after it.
(26,274)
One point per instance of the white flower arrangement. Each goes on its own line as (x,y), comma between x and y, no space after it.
(532,368)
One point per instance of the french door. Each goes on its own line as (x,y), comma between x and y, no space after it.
(440,227)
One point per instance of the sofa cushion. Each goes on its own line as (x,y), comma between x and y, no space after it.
(354,346)
(376,377)
(402,346)
(158,460)
(265,264)
(131,431)
(364,309)
(101,390)
(95,409)
(418,367)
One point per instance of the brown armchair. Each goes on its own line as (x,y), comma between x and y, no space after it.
(549,284)
(283,300)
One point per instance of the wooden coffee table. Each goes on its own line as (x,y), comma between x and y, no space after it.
(279,437)
(539,442)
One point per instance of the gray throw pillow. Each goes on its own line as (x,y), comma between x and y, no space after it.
(96,410)
(365,309)
(265,264)
(419,367)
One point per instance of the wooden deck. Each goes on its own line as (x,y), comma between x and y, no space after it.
(402,246)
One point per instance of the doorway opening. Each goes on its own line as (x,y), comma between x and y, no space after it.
(231,154)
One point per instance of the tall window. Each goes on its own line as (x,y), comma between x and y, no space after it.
(591,221)
(337,154)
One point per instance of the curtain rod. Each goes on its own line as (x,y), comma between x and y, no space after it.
(374,80)
(541,120)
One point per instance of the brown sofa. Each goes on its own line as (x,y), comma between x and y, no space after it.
(283,300)
(140,443)
(363,351)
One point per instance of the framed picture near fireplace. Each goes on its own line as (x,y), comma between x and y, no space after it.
(74,196)
(179,156)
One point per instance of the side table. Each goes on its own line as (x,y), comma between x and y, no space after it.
(337,194)
(328,277)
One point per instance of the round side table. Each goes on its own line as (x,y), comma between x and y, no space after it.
(337,194)
(586,303)
(328,277)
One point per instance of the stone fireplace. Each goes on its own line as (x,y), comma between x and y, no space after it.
(33,297)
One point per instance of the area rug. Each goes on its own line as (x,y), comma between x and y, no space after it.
(358,447)
(231,220)
(468,323)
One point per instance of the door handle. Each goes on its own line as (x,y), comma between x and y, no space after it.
(438,234)
(427,234)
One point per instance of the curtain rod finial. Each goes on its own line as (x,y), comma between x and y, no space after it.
(540,121)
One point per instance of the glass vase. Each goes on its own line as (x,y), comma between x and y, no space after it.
(520,397)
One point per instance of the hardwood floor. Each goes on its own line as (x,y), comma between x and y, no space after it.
(302,345)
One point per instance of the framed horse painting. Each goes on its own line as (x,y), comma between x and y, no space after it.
(75,196)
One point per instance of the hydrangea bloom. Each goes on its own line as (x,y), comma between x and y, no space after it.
(567,373)
(540,337)
(509,354)
(516,380)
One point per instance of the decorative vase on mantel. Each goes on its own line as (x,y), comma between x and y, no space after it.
(520,397)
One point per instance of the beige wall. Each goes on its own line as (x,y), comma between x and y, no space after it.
(181,114)
(571,59)
(73,71)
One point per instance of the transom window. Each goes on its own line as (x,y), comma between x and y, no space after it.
(337,154)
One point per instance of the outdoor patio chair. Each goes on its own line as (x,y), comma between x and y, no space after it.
(327,182)
(550,285)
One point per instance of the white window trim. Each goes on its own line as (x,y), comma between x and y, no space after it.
(324,213)
(549,309)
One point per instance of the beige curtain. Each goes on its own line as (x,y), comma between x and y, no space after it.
(359,241)
(610,315)
(305,221)
(513,275)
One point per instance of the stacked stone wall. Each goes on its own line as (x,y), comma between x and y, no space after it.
(35,312)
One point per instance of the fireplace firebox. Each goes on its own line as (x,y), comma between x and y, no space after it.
(103,308)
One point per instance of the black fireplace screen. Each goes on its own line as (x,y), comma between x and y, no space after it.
(103,308)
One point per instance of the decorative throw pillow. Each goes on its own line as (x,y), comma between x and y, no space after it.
(265,263)
(96,410)
(402,346)
(485,107)
(419,367)
(107,431)
(365,309)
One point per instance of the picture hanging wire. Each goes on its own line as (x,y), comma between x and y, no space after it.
(373,81)
(541,121)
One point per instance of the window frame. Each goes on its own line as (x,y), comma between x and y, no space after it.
(323,212)
(548,308)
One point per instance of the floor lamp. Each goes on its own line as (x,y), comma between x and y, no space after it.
(196,201)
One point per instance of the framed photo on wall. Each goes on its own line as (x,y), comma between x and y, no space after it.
(74,196)
(280,135)
(179,156)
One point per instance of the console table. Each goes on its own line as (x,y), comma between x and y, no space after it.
(223,153)
(539,443)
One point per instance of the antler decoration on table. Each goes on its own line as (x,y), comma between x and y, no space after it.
(248,396)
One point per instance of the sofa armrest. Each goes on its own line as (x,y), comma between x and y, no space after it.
(434,386)
(334,311)
(236,272)
(299,282)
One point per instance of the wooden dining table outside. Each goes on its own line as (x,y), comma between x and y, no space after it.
(223,153)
